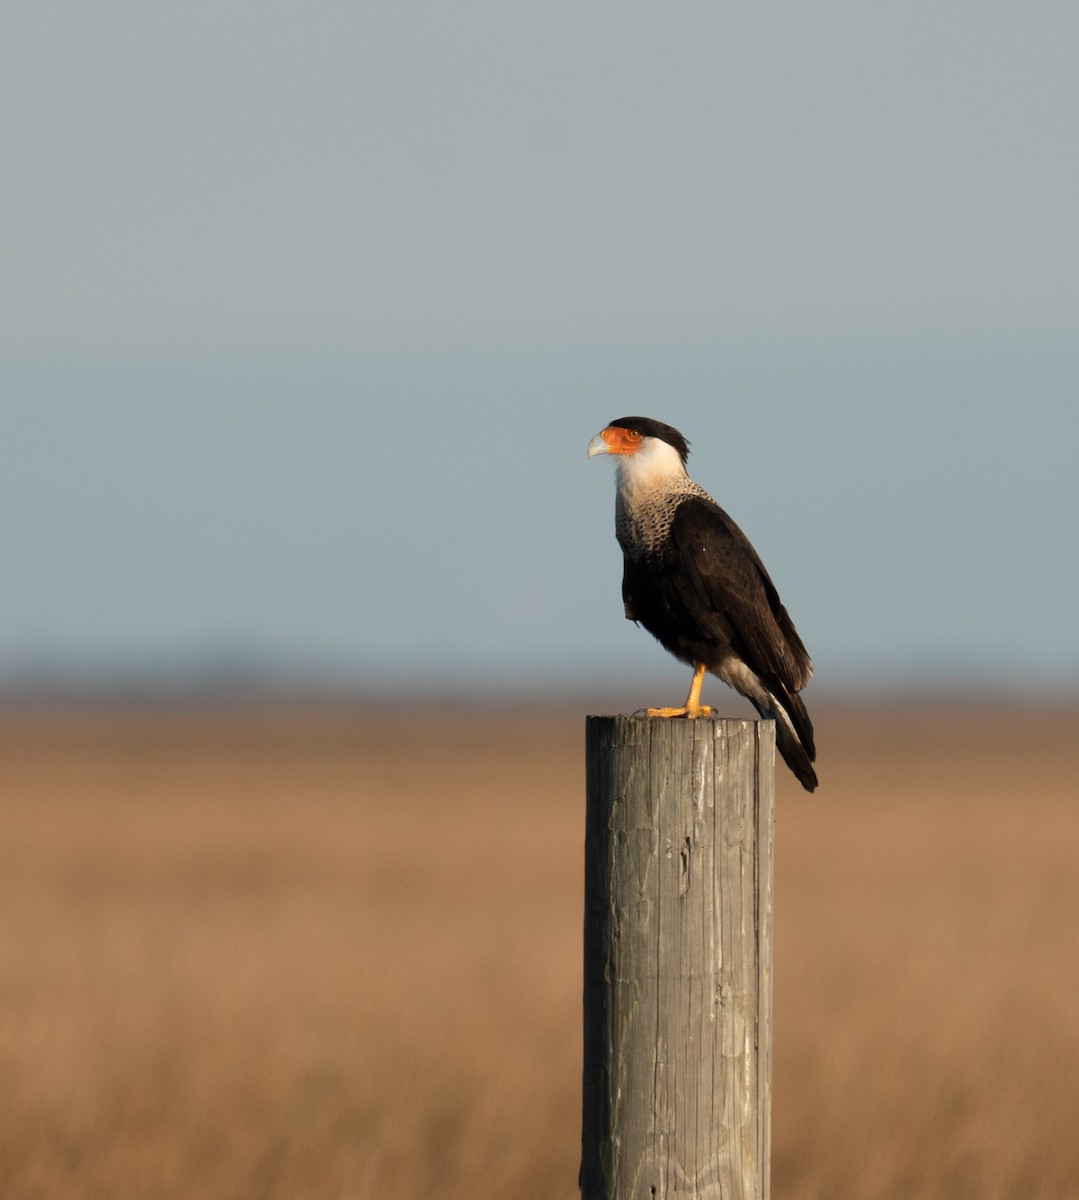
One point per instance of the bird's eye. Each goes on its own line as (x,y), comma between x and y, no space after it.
(634,435)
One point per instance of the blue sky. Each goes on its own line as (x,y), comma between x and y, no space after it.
(310,311)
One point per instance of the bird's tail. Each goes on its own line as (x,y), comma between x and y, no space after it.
(794,730)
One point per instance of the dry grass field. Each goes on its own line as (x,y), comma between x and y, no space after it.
(329,954)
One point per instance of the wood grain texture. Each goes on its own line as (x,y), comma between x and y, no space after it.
(678,959)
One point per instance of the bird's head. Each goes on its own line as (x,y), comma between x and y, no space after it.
(645,448)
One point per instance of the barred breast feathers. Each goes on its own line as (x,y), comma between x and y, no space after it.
(643,516)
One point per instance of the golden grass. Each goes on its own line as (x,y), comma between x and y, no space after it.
(330,954)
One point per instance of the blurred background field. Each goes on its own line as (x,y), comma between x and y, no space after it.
(329,951)
(309,314)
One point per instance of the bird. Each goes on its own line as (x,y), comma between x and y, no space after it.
(692,578)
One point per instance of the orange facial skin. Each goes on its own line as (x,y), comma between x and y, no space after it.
(621,441)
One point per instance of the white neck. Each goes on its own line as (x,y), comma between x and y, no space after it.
(655,466)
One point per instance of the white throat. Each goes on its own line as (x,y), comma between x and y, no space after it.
(655,467)
(651,485)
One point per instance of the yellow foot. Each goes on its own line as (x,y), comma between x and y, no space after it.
(690,711)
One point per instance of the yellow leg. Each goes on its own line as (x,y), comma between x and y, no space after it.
(693,707)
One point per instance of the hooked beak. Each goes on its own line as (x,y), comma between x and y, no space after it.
(598,445)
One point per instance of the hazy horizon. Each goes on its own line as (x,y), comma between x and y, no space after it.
(309,317)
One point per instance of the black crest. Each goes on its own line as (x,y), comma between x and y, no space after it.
(656,429)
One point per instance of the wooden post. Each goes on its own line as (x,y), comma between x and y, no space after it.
(677,959)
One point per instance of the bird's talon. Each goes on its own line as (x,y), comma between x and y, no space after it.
(691,713)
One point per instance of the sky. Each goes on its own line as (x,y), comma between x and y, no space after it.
(309,313)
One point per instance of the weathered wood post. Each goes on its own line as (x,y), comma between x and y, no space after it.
(677,959)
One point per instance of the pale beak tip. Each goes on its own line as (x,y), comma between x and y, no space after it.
(597,446)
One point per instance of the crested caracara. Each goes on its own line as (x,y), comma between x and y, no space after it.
(693,580)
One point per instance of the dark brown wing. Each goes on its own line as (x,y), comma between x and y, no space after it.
(723,580)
